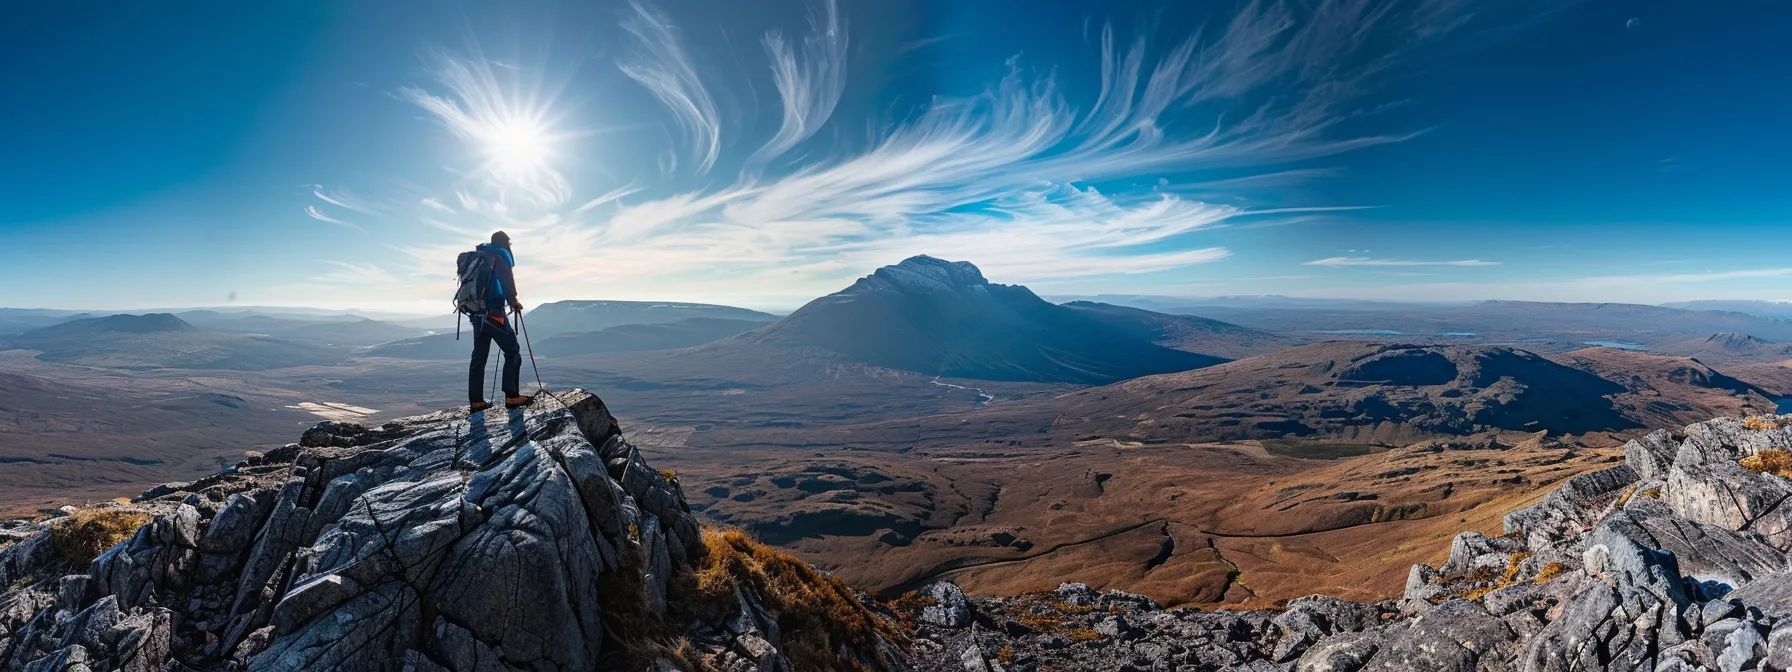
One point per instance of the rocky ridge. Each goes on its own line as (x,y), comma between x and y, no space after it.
(543,540)
(1674,561)
(537,540)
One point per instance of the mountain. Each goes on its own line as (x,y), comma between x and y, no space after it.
(538,539)
(635,337)
(1730,349)
(1536,325)
(1371,393)
(620,338)
(1774,309)
(561,317)
(15,320)
(347,330)
(1186,332)
(941,317)
(161,340)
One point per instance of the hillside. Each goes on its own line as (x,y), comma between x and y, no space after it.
(1533,324)
(161,340)
(561,317)
(943,318)
(544,538)
(1186,332)
(1372,393)
(345,330)
(637,337)
(1729,349)
(55,448)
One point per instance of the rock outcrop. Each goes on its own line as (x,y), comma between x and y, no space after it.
(537,540)
(543,540)
(1676,560)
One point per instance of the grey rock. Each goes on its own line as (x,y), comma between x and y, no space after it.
(1457,635)
(1742,649)
(1347,652)
(1652,455)
(1570,508)
(949,608)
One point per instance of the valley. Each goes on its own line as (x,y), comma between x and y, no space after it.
(927,424)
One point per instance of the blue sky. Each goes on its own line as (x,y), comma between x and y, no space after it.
(762,153)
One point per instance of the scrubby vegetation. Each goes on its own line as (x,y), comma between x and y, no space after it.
(1776,462)
(816,613)
(1761,422)
(89,532)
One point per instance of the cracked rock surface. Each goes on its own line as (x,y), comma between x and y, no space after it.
(506,541)
(1676,561)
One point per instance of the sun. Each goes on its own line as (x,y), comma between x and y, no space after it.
(517,146)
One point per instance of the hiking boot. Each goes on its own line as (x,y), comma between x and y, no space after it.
(518,402)
(477,406)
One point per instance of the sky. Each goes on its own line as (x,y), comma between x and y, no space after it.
(761,153)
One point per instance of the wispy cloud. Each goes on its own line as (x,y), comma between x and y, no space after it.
(353,274)
(1337,262)
(662,64)
(320,216)
(1019,178)
(810,86)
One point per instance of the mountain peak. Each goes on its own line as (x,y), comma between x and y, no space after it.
(923,269)
(148,323)
(1734,340)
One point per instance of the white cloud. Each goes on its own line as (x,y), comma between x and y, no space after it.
(808,87)
(1002,178)
(1336,262)
(320,216)
(663,66)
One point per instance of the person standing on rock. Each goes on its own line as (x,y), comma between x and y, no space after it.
(495,327)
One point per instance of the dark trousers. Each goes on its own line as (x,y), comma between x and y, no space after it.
(485,332)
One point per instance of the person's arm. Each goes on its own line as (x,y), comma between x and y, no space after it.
(508,277)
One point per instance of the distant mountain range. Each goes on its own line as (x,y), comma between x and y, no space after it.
(1534,325)
(1775,309)
(1374,393)
(564,317)
(1730,349)
(620,338)
(943,318)
(347,330)
(161,340)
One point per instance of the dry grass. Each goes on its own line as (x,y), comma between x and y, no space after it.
(1548,572)
(1761,422)
(909,605)
(1005,656)
(1506,578)
(1776,462)
(89,532)
(1084,635)
(817,614)
(1512,567)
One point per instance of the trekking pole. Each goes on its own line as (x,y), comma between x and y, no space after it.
(524,328)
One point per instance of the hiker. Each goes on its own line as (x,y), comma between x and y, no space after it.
(494,327)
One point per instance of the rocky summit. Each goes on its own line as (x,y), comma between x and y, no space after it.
(543,540)
(520,541)
(1674,561)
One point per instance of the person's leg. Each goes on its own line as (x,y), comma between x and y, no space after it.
(482,345)
(513,359)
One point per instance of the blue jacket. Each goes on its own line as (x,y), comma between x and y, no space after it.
(503,289)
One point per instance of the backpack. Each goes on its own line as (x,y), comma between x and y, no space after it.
(474,271)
